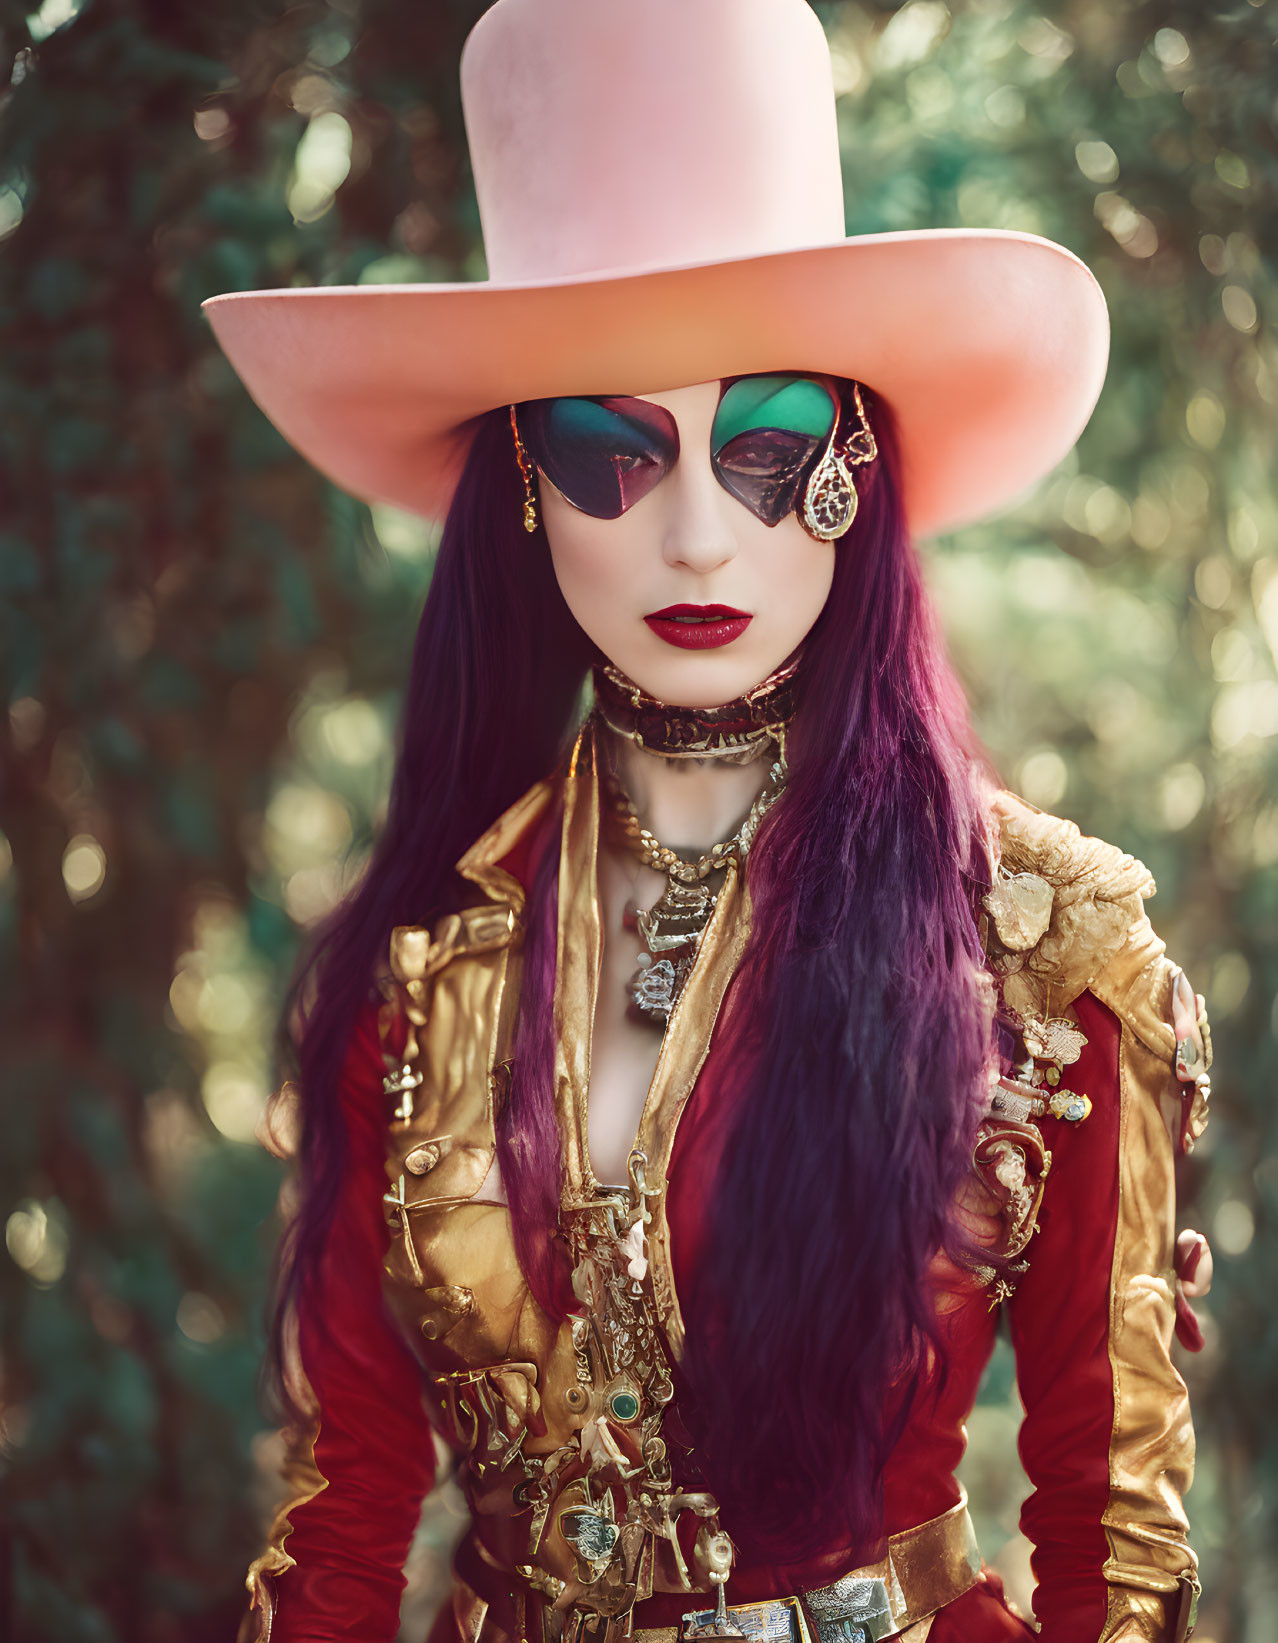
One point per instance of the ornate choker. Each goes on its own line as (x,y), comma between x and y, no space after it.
(740,730)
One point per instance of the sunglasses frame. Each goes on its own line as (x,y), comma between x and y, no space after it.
(827,501)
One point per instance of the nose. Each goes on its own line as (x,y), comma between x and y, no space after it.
(698,530)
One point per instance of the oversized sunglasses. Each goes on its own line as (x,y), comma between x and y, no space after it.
(604,454)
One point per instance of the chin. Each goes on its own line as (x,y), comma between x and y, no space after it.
(699,678)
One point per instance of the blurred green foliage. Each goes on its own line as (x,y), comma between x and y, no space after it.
(201,646)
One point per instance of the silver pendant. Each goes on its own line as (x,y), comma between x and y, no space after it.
(671,929)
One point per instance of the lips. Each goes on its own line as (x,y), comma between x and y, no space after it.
(699,627)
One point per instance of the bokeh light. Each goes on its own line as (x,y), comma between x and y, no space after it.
(84,867)
(36,1237)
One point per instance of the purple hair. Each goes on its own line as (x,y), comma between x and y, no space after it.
(498,668)
(865,1082)
(862,1077)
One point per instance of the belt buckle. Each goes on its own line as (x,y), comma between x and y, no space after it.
(775,1620)
(852,1610)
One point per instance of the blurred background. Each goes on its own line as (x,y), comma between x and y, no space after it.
(202,645)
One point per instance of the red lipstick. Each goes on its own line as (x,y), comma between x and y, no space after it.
(699,627)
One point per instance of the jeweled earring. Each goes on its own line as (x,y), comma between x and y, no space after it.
(525,468)
(830,500)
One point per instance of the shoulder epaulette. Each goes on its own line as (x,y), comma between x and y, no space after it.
(1065,914)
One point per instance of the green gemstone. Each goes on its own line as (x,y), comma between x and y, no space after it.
(624,1406)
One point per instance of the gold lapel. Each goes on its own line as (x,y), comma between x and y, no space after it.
(479,864)
(579,953)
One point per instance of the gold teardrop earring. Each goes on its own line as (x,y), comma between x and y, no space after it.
(525,468)
(830,500)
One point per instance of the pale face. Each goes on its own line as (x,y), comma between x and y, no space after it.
(689,543)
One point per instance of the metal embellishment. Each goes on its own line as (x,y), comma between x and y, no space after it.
(593,1536)
(830,499)
(1020,906)
(851,1610)
(1069,1106)
(1011,1162)
(671,929)
(772,1621)
(402,1079)
(654,988)
(1013,1098)
(525,469)
(489,1410)
(1033,1088)
(1053,1039)
(606,1510)
(422,1159)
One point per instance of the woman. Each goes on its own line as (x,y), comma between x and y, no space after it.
(734,1056)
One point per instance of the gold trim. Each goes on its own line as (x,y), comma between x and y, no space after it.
(479,864)
(1151,1449)
(578,957)
(307,1481)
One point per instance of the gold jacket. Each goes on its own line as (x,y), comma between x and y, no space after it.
(511,1392)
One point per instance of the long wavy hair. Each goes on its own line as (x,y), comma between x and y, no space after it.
(861,1076)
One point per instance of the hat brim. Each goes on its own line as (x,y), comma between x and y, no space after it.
(989,345)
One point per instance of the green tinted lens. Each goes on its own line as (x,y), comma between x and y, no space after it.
(767,433)
(796,405)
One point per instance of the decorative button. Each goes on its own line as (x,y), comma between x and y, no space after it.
(421,1160)
(590,1534)
(1069,1106)
(624,1405)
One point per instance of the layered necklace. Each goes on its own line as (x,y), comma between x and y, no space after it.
(743,732)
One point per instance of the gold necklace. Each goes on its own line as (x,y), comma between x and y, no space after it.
(673,926)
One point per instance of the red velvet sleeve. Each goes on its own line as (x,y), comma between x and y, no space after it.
(337,1571)
(1105,1437)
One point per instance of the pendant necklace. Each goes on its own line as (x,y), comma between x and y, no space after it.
(673,926)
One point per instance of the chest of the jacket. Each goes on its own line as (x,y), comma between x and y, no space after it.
(453,1276)
(451,1246)
(501,1374)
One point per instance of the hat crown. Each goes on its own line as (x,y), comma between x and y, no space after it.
(624,134)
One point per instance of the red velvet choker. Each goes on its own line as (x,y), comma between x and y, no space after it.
(740,730)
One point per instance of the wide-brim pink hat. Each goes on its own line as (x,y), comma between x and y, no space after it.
(661,197)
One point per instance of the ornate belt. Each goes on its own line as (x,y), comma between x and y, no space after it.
(923,1569)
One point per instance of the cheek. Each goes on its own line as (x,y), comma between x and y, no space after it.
(600,567)
(591,565)
(794,573)
(611,572)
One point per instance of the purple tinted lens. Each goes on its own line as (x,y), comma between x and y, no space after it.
(604,455)
(765,469)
